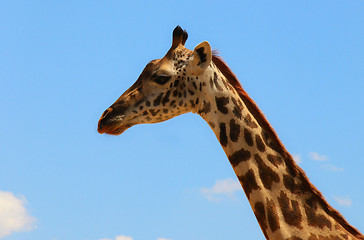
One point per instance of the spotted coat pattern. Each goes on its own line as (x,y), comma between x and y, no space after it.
(283,208)
(282,199)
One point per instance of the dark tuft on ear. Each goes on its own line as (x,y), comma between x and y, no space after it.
(179,36)
(184,38)
(177,32)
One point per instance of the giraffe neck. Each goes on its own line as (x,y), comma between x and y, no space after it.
(285,203)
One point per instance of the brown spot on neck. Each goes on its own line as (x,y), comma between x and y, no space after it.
(234,130)
(248,137)
(218,87)
(275,160)
(316,220)
(272,215)
(248,182)
(259,211)
(267,175)
(260,143)
(239,156)
(221,103)
(291,211)
(223,136)
(206,108)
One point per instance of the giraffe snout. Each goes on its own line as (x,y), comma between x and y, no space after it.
(113,119)
(103,120)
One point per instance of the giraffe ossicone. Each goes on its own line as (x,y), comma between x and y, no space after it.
(285,203)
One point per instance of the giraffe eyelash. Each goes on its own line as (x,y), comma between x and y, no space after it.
(161,79)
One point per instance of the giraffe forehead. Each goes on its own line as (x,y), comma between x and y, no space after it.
(165,65)
(157,65)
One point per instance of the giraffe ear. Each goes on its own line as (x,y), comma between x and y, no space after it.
(202,56)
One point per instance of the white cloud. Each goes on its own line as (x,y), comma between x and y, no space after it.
(343,201)
(13,215)
(121,237)
(317,157)
(297,158)
(222,188)
(332,168)
(322,158)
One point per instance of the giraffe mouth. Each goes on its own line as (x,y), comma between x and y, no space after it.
(110,125)
(113,130)
(113,126)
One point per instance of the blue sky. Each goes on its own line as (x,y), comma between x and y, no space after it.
(63,63)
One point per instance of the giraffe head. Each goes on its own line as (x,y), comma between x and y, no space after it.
(166,88)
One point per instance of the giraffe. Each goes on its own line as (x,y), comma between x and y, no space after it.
(285,203)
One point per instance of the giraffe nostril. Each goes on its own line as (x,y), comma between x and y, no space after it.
(107,111)
(103,120)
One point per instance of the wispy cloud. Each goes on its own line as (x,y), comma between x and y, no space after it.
(121,237)
(332,168)
(14,217)
(343,201)
(323,158)
(317,157)
(297,158)
(222,188)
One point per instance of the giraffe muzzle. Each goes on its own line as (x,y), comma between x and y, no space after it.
(111,121)
(103,121)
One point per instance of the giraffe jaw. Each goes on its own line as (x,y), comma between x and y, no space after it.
(114,130)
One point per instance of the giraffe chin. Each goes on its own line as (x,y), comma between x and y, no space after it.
(116,129)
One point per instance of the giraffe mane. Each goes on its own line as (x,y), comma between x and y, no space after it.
(293,167)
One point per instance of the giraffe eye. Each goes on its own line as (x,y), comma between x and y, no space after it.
(161,79)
